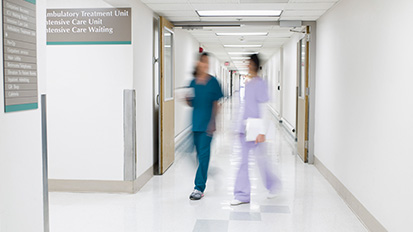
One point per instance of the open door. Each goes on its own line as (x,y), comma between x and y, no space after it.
(167,100)
(156,94)
(302,96)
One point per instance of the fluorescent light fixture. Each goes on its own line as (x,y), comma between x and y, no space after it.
(241,58)
(243,46)
(239,13)
(242,53)
(242,34)
(209,26)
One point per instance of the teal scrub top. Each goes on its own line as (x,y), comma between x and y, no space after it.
(202,103)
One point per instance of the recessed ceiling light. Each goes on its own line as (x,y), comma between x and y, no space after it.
(242,34)
(243,46)
(241,58)
(239,13)
(242,53)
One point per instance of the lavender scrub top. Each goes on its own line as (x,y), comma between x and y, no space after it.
(256,92)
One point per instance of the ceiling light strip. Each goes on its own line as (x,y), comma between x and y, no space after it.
(239,13)
(242,34)
(242,46)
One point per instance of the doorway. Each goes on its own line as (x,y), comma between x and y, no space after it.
(156,96)
(167,98)
(303,48)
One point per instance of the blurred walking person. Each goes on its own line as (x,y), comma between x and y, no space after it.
(206,92)
(256,96)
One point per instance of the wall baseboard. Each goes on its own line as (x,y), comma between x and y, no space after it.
(369,221)
(101,186)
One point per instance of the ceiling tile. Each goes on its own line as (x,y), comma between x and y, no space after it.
(290,13)
(213,1)
(160,7)
(178,13)
(164,1)
(313,1)
(182,19)
(208,40)
(303,18)
(309,6)
(274,6)
(263,1)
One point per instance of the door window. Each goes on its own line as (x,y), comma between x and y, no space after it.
(168,63)
(302,69)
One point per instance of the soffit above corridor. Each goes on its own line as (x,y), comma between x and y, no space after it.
(185,11)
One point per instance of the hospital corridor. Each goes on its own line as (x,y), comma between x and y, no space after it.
(206,116)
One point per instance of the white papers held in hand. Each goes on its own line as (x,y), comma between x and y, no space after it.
(254,127)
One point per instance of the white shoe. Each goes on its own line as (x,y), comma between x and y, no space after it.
(238,202)
(272,195)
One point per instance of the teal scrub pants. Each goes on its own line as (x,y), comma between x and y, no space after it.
(202,143)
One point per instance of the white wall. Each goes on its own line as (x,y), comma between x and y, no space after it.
(284,63)
(86,100)
(21,185)
(363,104)
(217,70)
(186,55)
(273,69)
(289,80)
(215,67)
(142,40)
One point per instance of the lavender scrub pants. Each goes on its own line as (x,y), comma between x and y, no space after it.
(242,188)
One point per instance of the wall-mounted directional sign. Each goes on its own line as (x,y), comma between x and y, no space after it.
(19,55)
(88,26)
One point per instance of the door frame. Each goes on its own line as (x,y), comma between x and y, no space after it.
(302,93)
(156,93)
(167,105)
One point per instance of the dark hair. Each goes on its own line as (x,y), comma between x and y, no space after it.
(203,54)
(256,61)
(195,72)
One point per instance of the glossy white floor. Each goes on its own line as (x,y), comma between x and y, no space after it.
(306,203)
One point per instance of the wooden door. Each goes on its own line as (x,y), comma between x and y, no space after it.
(167,107)
(302,97)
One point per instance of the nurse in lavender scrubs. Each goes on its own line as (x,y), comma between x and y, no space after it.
(256,96)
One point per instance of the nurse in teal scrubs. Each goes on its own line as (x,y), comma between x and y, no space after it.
(206,93)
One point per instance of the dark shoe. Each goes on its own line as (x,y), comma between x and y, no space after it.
(196,195)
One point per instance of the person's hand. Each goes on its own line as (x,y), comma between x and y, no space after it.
(189,101)
(211,128)
(260,139)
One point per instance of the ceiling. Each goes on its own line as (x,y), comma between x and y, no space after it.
(184,12)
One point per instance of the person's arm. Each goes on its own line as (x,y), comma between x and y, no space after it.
(190,94)
(215,107)
(212,123)
(262,104)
